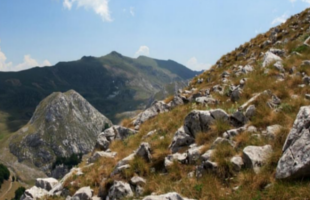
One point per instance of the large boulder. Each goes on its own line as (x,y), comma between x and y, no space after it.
(46,183)
(269,58)
(197,121)
(168,196)
(256,156)
(181,139)
(113,133)
(155,109)
(295,160)
(119,190)
(34,193)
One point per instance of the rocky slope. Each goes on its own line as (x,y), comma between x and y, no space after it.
(63,124)
(113,84)
(239,131)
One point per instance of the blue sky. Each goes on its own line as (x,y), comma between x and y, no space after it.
(195,33)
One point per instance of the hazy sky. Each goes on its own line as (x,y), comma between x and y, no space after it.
(195,33)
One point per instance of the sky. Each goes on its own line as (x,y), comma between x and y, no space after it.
(195,33)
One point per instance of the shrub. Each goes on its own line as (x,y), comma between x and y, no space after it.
(18,193)
(71,161)
(4,174)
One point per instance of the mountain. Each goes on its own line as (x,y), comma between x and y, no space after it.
(112,83)
(238,131)
(62,124)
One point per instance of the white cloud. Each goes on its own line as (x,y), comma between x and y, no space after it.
(132,11)
(280,19)
(306,1)
(143,50)
(26,64)
(292,1)
(195,65)
(101,7)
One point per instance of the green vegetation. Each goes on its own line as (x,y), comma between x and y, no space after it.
(18,193)
(4,174)
(71,161)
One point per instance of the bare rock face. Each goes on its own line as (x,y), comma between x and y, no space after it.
(62,124)
(295,160)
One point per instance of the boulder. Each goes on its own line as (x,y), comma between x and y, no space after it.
(197,121)
(250,111)
(137,180)
(144,151)
(177,100)
(168,196)
(84,193)
(155,109)
(119,190)
(269,58)
(206,100)
(180,157)
(233,132)
(306,62)
(220,140)
(272,131)
(193,154)
(256,156)
(219,114)
(113,133)
(207,155)
(295,160)
(237,163)
(46,183)
(279,66)
(238,119)
(34,193)
(101,154)
(180,139)
(235,94)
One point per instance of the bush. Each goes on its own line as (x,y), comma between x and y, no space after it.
(71,161)
(4,174)
(18,193)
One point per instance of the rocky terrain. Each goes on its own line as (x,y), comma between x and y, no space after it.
(238,131)
(63,124)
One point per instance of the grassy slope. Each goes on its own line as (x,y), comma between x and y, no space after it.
(220,185)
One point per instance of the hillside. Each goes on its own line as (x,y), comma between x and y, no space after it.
(113,84)
(239,131)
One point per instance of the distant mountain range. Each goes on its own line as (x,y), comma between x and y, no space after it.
(112,83)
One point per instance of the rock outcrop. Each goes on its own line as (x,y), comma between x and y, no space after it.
(63,124)
(295,161)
